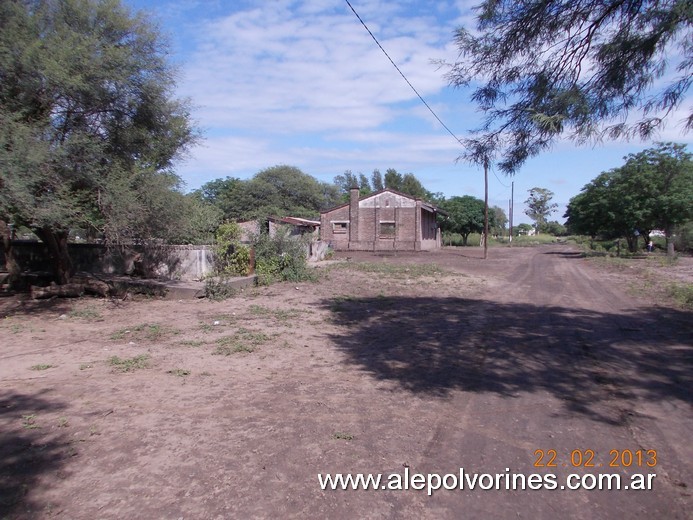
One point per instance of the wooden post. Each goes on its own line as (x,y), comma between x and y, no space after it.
(485,209)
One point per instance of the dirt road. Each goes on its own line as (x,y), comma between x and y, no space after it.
(392,365)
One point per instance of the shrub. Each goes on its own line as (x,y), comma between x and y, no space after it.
(281,258)
(232,257)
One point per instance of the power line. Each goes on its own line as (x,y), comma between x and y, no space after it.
(459,141)
(402,74)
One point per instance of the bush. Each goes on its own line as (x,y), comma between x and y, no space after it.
(281,258)
(232,258)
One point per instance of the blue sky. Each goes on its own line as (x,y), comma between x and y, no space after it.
(301,82)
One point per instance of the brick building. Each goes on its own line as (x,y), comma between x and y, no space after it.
(385,220)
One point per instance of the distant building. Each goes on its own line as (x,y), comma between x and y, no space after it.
(384,220)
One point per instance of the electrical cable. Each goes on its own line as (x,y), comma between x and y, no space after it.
(459,141)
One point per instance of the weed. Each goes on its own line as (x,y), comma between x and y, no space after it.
(219,288)
(86,314)
(280,315)
(192,343)
(151,332)
(85,366)
(129,365)
(682,293)
(63,422)
(206,327)
(227,350)
(343,436)
(243,341)
(29,422)
(205,373)
(179,372)
(42,366)
(384,269)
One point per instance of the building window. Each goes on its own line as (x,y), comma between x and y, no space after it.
(387,230)
(339,227)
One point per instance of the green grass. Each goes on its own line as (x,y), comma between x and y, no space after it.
(144,331)
(129,364)
(42,366)
(386,269)
(29,422)
(86,314)
(682,293)
(280,315)
(243,340)
(192,343)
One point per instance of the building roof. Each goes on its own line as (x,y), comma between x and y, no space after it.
(424,204)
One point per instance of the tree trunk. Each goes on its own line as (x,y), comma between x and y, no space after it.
(669,234)
(13,269)
(56,242)
(632,243)
(69,290)
(464,238)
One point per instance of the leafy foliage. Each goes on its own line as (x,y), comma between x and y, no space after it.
(578,67)
(89,127)
(281,258)
(539,206)
(652,190)
(279,190)
(231,257)
(465,216)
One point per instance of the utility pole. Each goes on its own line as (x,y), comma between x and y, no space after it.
(485,208)
(512,207)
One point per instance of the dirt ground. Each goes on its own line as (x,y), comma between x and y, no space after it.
(414,363)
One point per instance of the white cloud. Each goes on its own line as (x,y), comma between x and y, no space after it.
(310,69)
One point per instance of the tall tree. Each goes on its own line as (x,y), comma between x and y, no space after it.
(377,180)
(539,206)
(500,220)
(89,126)
(285,190)
(542,69)
(225,194)
(364,185)
(465,216)
(652,190)
(393,179)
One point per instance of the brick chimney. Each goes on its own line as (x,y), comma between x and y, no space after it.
(353,215)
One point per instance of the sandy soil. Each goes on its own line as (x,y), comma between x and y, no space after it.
(415,363)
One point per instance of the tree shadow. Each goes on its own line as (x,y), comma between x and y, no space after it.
(28,451)
(436,345)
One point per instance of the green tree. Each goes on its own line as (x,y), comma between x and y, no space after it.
(499,219)
(377,180)
(652,190)
(523,229)
(225,194)
(407,184)
(89,127)
(542,69)
(286,190)
(465,216)
(539,206)
(555,228)
(345,182)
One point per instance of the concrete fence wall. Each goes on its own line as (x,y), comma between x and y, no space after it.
(166,262)
(161,261)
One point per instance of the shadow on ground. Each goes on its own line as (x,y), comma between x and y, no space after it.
(436,345)
(28,450)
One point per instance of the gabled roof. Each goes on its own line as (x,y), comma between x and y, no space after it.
(424,204)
